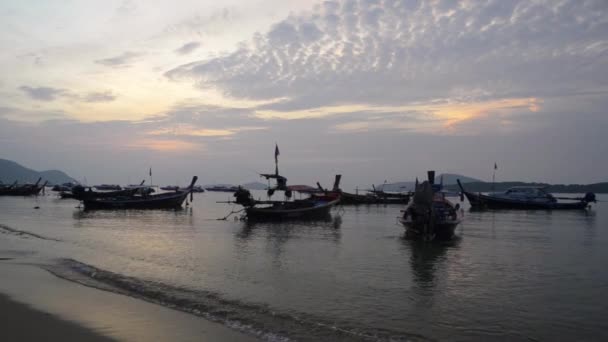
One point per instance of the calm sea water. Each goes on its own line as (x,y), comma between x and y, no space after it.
(509,275)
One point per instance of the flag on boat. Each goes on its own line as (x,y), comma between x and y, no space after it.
(276,153)
(150,172)
(495,166)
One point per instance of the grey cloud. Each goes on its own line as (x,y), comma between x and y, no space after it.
(51,94)
(105,96)
(24,115)
(123,60)
(390,52)
(43,93)
(187,48)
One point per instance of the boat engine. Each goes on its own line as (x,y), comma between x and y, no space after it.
(589,197)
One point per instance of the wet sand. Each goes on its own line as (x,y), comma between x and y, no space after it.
(22,323)
(37,306)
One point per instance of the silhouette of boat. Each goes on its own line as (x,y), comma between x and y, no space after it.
(108,187)
(430,216)
(81,193)
(23,189)
(222,188)
(526,197)
(168,200)
(318,205)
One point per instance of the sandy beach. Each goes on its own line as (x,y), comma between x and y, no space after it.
(23,323)
(37,306)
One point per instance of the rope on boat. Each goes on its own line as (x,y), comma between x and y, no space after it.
(230,214)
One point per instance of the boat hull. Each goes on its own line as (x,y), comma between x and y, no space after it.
(162,201)
(441,231)
(29,191)
(480,201)
(318,211)
(354,199)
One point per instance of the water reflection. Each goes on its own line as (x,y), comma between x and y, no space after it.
(135,218)
(426,259)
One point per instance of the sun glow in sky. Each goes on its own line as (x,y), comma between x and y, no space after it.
(345,85)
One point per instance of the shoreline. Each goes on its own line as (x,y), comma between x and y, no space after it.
(36,305)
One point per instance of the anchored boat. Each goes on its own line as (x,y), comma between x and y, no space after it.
(526,197)
(318,205)
(430,216)
(22,190)
(168,200)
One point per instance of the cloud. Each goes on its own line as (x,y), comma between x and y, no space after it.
(104,96)
(49,94)
(398,53)
(119,61)
(214,23)
(24,115)
(43,93)
(187,48)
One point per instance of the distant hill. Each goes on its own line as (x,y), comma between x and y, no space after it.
(555,188)
(11,171)
(448,179)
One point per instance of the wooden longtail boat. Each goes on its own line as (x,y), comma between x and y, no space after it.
(317,206)
(527,198)
(168,200)
(430,216)
(23,190)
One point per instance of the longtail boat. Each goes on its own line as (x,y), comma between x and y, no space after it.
(168,200)
(318,205)
(430,216)
(23,190)
(526,197)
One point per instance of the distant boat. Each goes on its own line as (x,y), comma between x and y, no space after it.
(167,200)
(105,187)
(81,193)
(222,188)
(430,216)
(526,197)
(196,188)
(22,189)
(375,197)
(169,188)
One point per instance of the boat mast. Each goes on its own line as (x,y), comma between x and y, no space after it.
(494,175)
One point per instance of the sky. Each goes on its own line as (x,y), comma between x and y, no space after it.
(372,89)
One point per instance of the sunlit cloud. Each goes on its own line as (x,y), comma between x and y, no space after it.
(165,145)
(194,131)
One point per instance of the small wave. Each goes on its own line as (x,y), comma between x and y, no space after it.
(8,230)
(255,319)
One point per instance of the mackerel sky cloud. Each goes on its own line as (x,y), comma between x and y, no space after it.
(370,88)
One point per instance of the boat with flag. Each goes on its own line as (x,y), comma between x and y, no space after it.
(430,216)
(318,205)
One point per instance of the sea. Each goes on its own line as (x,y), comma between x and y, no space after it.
(507,275)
